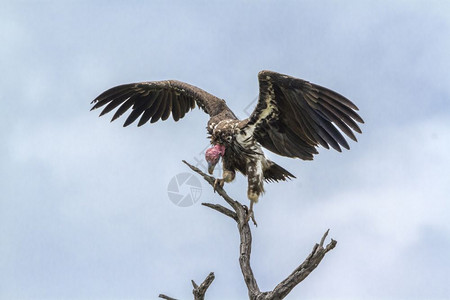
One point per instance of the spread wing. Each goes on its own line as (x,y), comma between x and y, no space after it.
(292,117)
(154,100)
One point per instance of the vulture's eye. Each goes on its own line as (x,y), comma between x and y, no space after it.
(229,138)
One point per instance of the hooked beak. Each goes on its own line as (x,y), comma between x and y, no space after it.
(211,167)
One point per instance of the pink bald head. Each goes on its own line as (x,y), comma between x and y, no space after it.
(212,156)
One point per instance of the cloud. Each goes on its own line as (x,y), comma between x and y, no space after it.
(84,209)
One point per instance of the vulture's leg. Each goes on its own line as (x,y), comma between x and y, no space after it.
(228,176)
(250,214)
(255,185)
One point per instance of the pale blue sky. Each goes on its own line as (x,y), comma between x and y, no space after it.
(84,210)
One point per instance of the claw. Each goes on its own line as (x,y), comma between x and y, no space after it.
(218,183)
(251,215)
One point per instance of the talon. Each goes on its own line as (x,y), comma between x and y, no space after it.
(218,183)
(250,214)
(247,218)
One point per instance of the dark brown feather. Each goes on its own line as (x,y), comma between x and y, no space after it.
(145,117)
(336,120)
(112,105)
(276,173)
(178,98)
(168,107)
(108,94)
(123,108)
(335,96)
(159,111)
(176,110)
(301,116)
(183,105)
(344,109)
(135,113)
(120,96)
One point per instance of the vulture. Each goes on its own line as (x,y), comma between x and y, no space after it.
(292,118)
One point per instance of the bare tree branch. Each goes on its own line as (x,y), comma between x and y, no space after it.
(219,189)
(244,232)
(166,297)
(240,215)
(199,291)
(222,209)
(302,271)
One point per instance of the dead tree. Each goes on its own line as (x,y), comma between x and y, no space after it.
(239,213)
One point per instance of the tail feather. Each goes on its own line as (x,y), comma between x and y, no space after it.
(275,173)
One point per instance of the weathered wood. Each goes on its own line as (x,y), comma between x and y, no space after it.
(241,216)
(222,209)
(199,291)
(166,297)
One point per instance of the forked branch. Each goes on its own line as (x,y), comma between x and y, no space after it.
(199,290)
(239,213)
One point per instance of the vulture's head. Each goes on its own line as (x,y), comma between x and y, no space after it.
(212,156)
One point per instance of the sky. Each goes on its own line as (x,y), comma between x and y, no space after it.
(85,211)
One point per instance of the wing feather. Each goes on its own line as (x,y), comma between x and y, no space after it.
(120,98)
(183,106)
(105,96)
(113,104)
(168,107)
(122,109)
(145,117)
(135,113)
(155,100)
(343,109)
(176,109)
(159,111)
(336,120)
(337,97)
(293,116)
